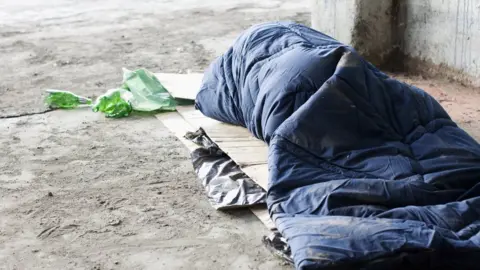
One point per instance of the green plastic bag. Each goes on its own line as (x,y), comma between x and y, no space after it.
(148,93)
(115,103)
(58,99)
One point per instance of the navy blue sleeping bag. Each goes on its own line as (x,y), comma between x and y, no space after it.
(365,172)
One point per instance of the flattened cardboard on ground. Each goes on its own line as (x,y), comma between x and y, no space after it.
(237,142)
(179,126)
(183,86)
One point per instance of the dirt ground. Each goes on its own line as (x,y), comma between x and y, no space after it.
(78,191)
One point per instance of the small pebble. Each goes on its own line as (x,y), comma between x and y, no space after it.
(50,194)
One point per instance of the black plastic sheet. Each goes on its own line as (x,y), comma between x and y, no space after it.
(226,185)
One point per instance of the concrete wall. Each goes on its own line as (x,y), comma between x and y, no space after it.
(435,36)
(443,33)
(337,18)
(363,24)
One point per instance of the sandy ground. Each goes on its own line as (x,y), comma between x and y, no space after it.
(78,191)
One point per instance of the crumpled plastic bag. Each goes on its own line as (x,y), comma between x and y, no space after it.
(115,103)
(148,93)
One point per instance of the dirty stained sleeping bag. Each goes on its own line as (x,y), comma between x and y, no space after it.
(365,172)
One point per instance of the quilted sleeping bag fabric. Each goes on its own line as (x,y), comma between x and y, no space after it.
(365,172)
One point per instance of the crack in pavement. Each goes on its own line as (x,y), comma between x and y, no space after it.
(25,114)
